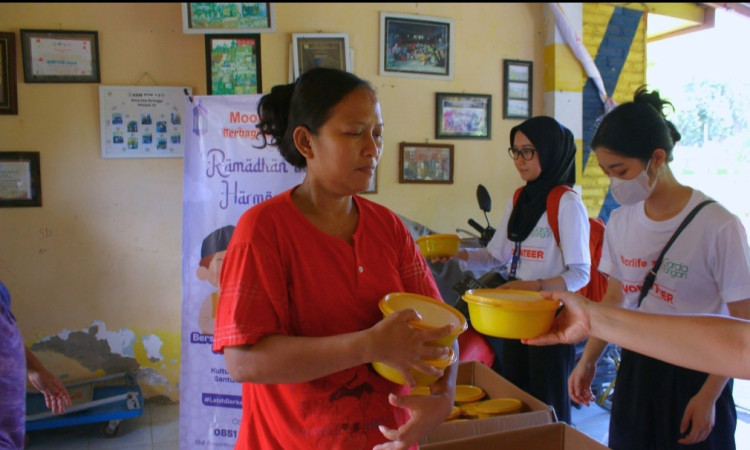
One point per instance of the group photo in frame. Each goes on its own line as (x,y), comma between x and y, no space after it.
(463,116)
(416,46)
(233,64)
(425,163)
(60,56)
(20,179)
(517,92)
(329,50)
(8,85)
(228,18)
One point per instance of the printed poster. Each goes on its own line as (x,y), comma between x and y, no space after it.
(142,121)
(225,174)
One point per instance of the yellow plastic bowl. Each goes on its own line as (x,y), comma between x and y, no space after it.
(438,245)
(422,379)
(497,407)
(435,314)
(511,314)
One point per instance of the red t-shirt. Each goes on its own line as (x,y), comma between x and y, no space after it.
(282,275)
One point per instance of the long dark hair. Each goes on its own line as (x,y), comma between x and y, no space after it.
(635,129)
(307,102)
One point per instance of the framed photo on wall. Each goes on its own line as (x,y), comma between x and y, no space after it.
(56,56)
(20,179)
(320,50)
(425,163)
(8,85)
(416,46)
(517,94)
(463,116)
(233,64)
(232,18)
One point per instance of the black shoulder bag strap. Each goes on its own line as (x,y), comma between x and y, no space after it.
(651,276)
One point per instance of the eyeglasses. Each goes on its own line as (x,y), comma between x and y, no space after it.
(527,153)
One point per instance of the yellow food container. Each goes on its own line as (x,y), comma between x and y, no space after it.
(435,314)
(466,393)
(497,407)
(455,412)
(469,410)
(421,378)
(511,314)
(439,245)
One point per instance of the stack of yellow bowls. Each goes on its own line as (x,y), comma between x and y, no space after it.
(511,314)
(434,314)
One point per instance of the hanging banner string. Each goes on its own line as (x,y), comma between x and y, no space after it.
(574,41)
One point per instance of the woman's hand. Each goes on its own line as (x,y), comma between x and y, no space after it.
(573,324)
(579,382)
(699,418)
(395,342)
(56,397)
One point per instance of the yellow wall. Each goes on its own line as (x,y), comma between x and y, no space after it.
(100,260)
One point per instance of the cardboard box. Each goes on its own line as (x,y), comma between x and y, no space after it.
(533,412)
(553,436)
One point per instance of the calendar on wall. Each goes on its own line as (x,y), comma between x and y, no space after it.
(142,121)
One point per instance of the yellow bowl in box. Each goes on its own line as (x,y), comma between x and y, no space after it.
(497,407)
(509,313)
(435,314)
(439,245)
(466,393)
(421,378)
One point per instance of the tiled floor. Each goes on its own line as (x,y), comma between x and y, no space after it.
(158,428)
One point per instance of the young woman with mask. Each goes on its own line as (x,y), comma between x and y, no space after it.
(543,152)
(298,318)
(706,271)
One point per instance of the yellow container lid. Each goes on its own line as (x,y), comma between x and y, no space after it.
(450,236)
(455,412)
(469,409)
(468,393)
(498,406)
(511,299)
(435,314)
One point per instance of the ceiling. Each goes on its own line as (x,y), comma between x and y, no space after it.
(672,19)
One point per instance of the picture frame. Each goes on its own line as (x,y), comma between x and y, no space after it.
(517,92)
(8,85)
(425,163)
(320,50)
(463,116)
(416,46)
(60,56)
(20,179)
(233,64)
(228,18)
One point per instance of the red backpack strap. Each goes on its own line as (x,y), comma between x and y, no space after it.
(553,208)
(516,194)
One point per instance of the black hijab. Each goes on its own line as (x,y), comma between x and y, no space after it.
(556,149)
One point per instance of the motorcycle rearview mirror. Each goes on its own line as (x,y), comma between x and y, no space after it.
(484,199)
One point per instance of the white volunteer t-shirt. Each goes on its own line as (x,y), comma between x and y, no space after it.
(707,266)
(540,255)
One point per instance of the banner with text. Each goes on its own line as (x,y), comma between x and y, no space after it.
(225,174)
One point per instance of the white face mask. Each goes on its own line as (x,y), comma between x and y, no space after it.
(629,192)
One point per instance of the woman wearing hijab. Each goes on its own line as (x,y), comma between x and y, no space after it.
(543,152)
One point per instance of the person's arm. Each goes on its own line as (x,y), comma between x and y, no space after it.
(708,343)
(56,397)
(426,412)
(296,359)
